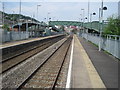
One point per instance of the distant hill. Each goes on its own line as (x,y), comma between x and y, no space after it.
(15,17)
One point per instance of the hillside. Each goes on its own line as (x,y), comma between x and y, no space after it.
(15,17)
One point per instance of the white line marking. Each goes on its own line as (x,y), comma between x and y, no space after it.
(70,67)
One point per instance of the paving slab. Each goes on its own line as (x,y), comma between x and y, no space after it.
(105,64)
(84,75)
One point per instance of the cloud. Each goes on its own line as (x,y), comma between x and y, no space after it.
(59,0)
(60,10)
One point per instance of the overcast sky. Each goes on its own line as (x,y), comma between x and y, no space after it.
(63,10)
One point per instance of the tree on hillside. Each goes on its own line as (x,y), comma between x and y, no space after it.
(113,27)
(6,27)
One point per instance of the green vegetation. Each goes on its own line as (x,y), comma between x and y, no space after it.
(15,17)
(113,27)
(6,27)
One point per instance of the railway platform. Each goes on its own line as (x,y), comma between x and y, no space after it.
(91,68)
(82,66)
(14,43)
(83,74)
(106,65)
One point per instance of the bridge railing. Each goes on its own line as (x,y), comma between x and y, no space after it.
(95,25)
(109,43)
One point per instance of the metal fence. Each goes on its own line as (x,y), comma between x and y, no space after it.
(7,36)
(109,43)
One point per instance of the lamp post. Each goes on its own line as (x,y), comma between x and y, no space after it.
(19,16)
(13,21)
(83,16)
(53,18)
(37,20)
(99,18)
(37,10)
(88,9)
(101,21)
(81,19)
(86,18)
(26,28)
(13,17)
(44,19)
(91,18)
(33,17)
(86,30)
(3,13)
(48,17)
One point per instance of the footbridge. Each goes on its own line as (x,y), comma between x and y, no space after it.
(91,26)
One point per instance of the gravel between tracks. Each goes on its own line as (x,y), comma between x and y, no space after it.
(46,76)
(22,57)
(62,79)
(18,75)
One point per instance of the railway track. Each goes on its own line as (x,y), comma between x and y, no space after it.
(22,56)
(47,74)
(40,71)
(10,52)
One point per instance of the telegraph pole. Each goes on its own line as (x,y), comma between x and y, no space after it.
(83,16)
(13,21)
(3,13)
(88,9)
(88,16)
(37,10)
(48,17)
(13,18)
(19,15)
(101,19)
